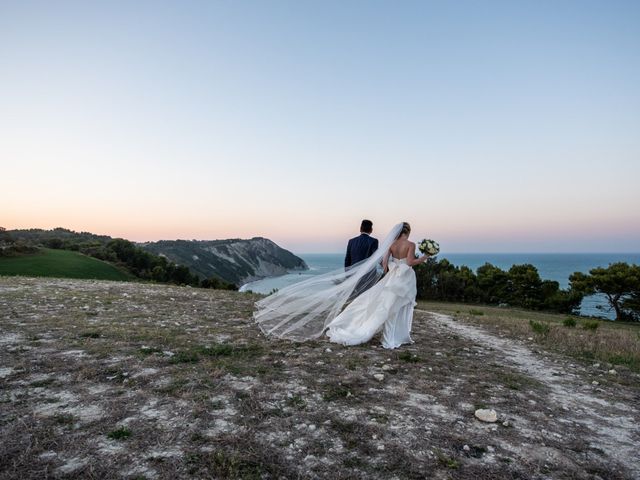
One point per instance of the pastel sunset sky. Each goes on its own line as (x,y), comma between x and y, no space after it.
(492,126)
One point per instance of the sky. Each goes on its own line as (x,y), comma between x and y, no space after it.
(492,126)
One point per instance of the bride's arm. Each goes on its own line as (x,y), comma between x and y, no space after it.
(385,261)
(411,256)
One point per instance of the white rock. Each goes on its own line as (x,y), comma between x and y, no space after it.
(466,448)
(595,383)
(486,415)
(381,447)
(612,371)
(506,423)
(378,376)
(596,365)
(490,449)
(328,350)
(386,367)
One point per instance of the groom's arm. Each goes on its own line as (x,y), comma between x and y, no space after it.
(373,246)
(347,258)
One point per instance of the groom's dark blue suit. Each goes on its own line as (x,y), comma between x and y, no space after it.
(359,248)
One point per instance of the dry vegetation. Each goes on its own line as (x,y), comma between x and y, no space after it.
(118,380)
(617,343)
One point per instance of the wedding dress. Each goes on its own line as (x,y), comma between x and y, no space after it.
(387,306)
(303,311)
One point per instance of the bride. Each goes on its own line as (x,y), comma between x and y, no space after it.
(304,310)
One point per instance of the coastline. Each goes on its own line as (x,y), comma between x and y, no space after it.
(553,266)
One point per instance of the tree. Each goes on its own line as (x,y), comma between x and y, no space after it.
(619,283)
(525,286)
(631,305)
(494,284)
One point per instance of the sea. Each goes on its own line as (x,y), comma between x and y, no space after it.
(551,266)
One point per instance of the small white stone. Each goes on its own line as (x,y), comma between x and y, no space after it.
(596,365)
(438,354)
(612,371)
(490,449)
(466,448)
(506,423)
(380,447)
(312,427)
(595,383)
(378,376)
(328,350)
(486,415)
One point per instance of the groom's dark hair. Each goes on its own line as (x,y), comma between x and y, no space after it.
(366,226)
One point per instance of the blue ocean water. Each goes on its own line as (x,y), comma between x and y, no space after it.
(551,266)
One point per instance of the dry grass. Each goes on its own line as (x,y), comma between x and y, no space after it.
(617,344)
(120,380)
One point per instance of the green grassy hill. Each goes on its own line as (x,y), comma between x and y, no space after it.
(60,263)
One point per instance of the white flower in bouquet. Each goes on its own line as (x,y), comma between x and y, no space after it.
(429,247)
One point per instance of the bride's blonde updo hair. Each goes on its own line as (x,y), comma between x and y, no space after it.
(406,228)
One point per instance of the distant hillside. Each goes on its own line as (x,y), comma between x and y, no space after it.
(237,261)
(38,235)
(232,261)
(62,264)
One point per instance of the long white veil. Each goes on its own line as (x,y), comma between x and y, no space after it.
(303,310)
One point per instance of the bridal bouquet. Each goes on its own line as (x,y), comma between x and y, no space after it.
(429,247)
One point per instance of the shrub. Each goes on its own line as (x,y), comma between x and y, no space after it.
(569,322)
(409,357)
(120,434)
(540,327)
(591,325)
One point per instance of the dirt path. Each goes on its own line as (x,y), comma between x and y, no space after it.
(610,425)
(122,380)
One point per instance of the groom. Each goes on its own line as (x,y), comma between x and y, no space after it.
(358,249)
(362,246)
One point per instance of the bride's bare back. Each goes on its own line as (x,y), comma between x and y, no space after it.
(402,248)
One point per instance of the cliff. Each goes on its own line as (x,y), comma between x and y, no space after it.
(235,260)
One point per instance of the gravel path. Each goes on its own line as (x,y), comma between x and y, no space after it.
(609,424)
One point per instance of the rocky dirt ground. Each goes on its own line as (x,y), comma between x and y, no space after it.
(126,380)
